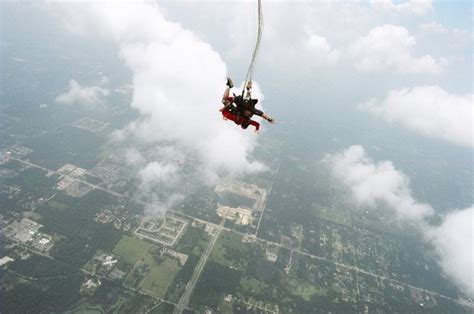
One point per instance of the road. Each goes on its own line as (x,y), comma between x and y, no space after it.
(94,186)
(183,303)
(264,205)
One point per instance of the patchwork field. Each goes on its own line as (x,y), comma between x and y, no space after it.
(131,249)
(160,276)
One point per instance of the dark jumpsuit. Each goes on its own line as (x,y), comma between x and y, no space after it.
(237,113)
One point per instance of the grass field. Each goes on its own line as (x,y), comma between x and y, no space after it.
(87,309)
(160,276)
(252,286)
(339,217)
(304,289)
(230,251)
(131,249)
(226,307)
(57,205)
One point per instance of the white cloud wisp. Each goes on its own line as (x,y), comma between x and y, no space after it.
(388,48)
(88,96)
(321,52)
(429,110)
(417,7)
(372,183)
(454,243)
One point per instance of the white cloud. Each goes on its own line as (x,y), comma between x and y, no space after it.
(158,173)
(158,187)
(134,157)
(290,41)
(446,37)
(158,206)
(373,183)
(388,48)
(178,81)
(320,51)
(429,110)
(454,244)
(284,50)
(434,27)
(77,94)
(418,7)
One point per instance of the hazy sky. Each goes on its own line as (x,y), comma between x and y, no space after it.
(407,65)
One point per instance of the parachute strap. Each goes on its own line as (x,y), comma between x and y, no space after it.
(248,77)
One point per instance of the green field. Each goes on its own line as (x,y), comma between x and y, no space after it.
(252,286)
(160,276)
(57,205)
(132,249)
(304,289)
(87,309)
(339,217)
(230,251)
(226,307)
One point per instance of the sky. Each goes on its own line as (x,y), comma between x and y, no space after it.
(403,65)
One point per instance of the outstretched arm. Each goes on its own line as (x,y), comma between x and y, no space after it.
(264,115)
(268,118)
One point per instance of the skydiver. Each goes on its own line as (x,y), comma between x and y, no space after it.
(240,109)
(231,111)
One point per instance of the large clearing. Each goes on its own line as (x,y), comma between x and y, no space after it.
(160,276)
(87,309)
(304,289)
(339,217)
(132,249)
(230,251)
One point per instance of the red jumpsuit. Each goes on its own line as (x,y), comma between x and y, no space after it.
(242,121)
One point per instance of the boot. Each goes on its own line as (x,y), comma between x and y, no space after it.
(229,83)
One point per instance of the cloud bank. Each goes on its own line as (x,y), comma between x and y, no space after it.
(429,110)
(286,47)
(434,27)
(454,243)
(76,94)
(388,48)
(178,81)
(372,183)
(321,51)
(418,7)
